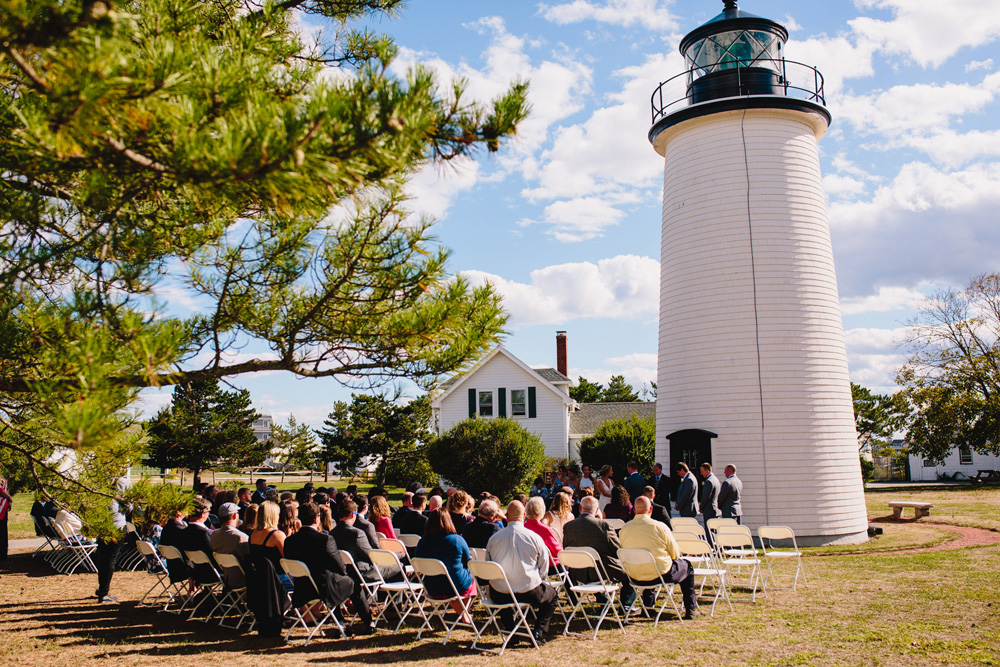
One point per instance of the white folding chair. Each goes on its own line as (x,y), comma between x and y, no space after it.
(736,551)
(79,551)
(371,587)
(403,596)
(209,581)
(61,557)
(158,568)
(431,567)
(632,559)
(702,556)
(768,536)
(493,572)
(398,548)
(299,571)
(682,522)
(235,597)
(173,555)
(477,553)
(130,558)
(46,533)
(584,560)
(409,540)
(616,524)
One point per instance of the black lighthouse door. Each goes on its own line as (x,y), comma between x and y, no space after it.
(693,446)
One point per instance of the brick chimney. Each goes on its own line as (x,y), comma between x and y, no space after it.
(561,363)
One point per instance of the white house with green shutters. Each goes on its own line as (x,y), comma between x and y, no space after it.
(501,385)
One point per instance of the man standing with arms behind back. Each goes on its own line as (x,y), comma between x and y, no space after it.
(686,501)
(635,484)
(730,494)
(661,486)
(709,501)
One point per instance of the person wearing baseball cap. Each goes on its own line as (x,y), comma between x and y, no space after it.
(228,539)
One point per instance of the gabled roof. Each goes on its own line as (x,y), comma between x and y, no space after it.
(589,416)
(543,376)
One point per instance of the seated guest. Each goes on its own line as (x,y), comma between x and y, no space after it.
(479,531)
(440,541)
(38,514)
(560,513)
(249,519)
(413,522)
(71,524)
(620,506)
(433,503)
(171,536)
(258,495)
(288,521)
(243,500)
(457,507)
(403,511)
(320,554)
(525,559)
(362,523)
(353,541)
(197,537)
(533,513)
(381,516)
(539,490)
(589,531)
(269,542)
(658,512)
(326,521)
(229,539)
(643,532)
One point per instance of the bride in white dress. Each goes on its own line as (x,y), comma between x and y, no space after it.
(603,486)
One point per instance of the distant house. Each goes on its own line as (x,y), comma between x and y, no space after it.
(501,385)
(262,427)
(961,464)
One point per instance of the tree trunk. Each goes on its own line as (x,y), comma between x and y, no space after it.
(196,473)
(326,471)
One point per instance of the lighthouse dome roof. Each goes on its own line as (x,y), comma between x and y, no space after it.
(733,18)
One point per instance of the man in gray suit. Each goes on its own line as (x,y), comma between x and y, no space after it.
(730,494)
(686,502)
(708,504)
(589,531)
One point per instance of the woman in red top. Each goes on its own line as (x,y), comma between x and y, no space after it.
(382,517)
(533,512)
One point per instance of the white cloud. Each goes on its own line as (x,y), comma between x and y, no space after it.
(623,287)
(837,58)
(874,356)
(647,360)
(836,185)
(434,188)
(973,65)
(652,14)
(887,299)
(929,31)
(926,225)
(953,149)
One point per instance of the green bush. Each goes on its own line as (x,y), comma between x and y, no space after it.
(615,443)
(867,470)
(495,455)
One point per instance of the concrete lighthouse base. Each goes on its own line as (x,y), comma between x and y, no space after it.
(751,344)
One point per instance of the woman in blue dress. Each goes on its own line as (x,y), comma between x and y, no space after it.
(442,542)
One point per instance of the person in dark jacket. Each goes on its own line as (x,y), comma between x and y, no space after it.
(658,512)
(687,492)
(320,554)
(413,522)
(478,532)
(355,542)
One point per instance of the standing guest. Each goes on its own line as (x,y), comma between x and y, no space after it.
(320,554)
(572,483)
(590,531)
(634,483)
(404,511)
(661,485)
(250,519)
(6,501)
(243,501)
(478,532)
(643,532)
(539,490)
(350,539)
(441,542)
(620,506)
(532,521)
(414,522)
(560,513)
(269,542)
(730,494)
(229,539)
(525,560)
(363,523)
(708,503)
(586,477)
(437,491)
(382,516)
(686,504)
(657,512)
(107,549)
(258,495)
(604,485)
(457,506)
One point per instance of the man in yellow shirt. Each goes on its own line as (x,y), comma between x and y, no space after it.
(643,532)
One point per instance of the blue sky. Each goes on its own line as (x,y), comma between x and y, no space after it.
(566,220)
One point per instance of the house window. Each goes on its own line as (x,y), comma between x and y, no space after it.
(486,404)
(965,456)
(518,403)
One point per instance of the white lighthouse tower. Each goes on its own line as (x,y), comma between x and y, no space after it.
(752,365)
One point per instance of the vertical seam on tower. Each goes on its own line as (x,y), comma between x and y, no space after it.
(756,323)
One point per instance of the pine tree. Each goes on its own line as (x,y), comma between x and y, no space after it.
(297,444)
(618,391)
(586,391)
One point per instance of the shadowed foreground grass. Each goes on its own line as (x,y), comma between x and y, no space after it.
(934,608)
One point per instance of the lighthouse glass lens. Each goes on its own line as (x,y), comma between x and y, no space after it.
(732,49)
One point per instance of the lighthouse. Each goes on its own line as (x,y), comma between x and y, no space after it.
(752,367)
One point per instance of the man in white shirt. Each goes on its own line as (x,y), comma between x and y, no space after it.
(525,559)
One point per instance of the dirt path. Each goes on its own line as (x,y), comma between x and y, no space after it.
(967,537)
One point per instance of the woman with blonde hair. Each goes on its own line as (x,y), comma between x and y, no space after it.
(268,541)
(250,518)
(458,506)
(381,516)
(288,519)
(560,513)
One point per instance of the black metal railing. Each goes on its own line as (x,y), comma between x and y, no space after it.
(785,78)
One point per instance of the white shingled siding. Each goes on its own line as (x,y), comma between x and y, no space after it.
(708,373)
(551,423)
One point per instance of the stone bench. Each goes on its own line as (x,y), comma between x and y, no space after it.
(919,509)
